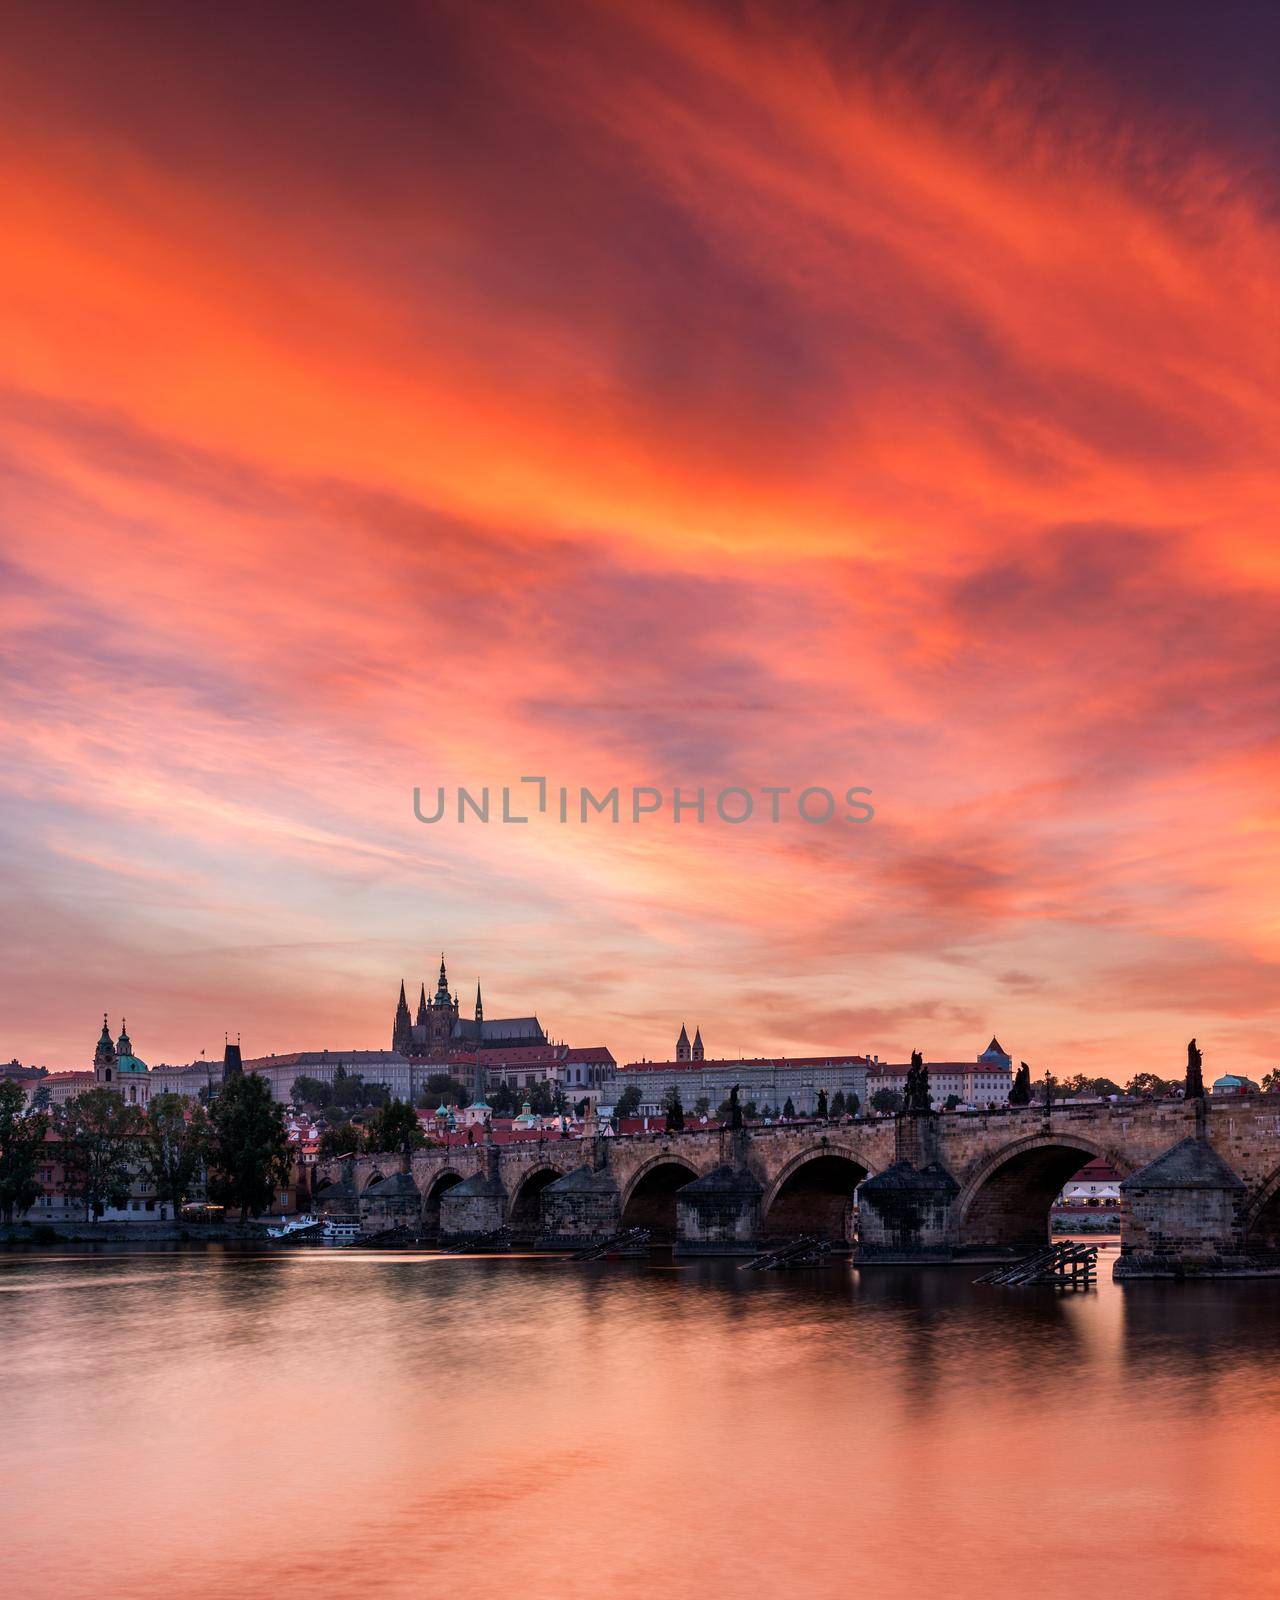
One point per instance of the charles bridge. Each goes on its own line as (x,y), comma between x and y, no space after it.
(1202,1184)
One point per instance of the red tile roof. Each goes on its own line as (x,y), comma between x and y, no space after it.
(834,1059)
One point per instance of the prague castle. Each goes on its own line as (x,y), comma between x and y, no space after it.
(439,1029)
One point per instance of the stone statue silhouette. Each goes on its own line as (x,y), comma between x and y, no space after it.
(917,1101)
(735,1110)
(1195,1074)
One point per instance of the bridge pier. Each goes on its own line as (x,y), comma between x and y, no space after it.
(476,1206)
(1184,1217)
(904,1214)
(580,1209)
(719,1214)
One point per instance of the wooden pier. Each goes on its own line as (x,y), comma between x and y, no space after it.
(1067,1265)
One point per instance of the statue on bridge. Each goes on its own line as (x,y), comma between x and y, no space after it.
(735,1109)
(917,1101)
(1195,1074)
(1020,1089)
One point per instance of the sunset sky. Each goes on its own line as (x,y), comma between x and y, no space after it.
(643,393)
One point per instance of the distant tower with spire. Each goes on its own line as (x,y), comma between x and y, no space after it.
(697,1045)
(104,1056)
(232,1065)
(682,1044)
(402,1029)
(479,1004)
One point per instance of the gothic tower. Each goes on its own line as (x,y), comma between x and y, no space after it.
(697,1045)
(444,1013)
(682,1044)
(402,1029)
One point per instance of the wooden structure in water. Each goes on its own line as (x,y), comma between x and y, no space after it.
(1067,1265)
(481,1243)
(630,1242)
(810,1251)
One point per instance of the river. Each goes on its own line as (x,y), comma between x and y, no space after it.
(206,1425)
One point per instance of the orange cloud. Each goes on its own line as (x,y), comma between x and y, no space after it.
(665,397)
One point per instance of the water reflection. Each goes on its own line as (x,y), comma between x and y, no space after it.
(213,1424)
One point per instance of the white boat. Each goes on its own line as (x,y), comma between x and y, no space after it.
(341,1230)
(290,1225)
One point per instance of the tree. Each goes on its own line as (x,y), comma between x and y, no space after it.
(750,1111)
(311,1092)
(21,1146)
(853,1105)
(502,1099)
(789,1109)
(249,1151)
(442,1089)
(1270,1082)
(886,1100)
(1020,1090)
(702,1106)
(823,1113)
(1105,1087)
(41,1098)
(547,1099)
(174,1148)
(343,1139)
(98,1138)
(394,1127)
(838,1106)
(951,1102)
(675,1111)
(1144,1083)
(627,1103)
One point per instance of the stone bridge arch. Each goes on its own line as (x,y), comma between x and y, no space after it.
(1005,1200)
(814,1192)
(1262,1216)
(649,1197)
(524,1208)
(434,1188)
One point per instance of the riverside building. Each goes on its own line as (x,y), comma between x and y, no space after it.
(769,1081)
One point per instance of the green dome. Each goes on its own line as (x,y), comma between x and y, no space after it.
(131,1064)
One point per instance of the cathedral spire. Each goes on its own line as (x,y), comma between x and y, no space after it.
(682,1044)
(697,1044)
(402,1028)
(479,1003)
(422,1006)
(442,985)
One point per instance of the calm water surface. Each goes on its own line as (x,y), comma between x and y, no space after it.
(204,1425)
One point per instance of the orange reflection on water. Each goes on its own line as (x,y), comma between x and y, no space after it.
(215,1425)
